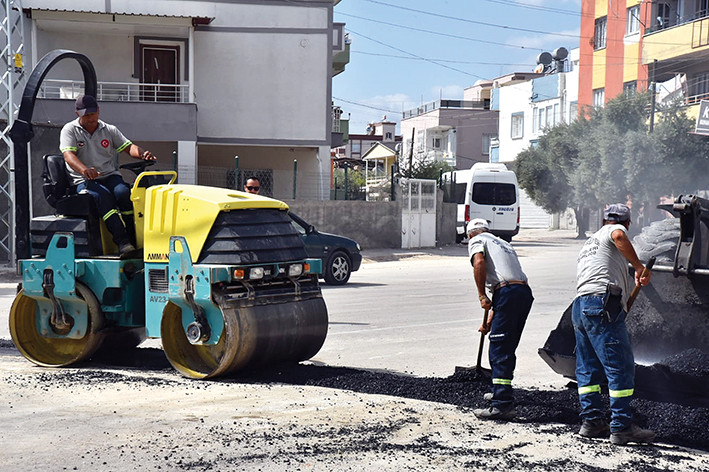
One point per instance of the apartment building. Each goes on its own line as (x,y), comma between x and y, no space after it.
(457,132)
(529,104)
(212,80)
(612,35)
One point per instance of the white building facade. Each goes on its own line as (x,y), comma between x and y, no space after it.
(211,80)
(528,104)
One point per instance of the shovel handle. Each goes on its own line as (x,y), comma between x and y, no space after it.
(636,289)
(482,340)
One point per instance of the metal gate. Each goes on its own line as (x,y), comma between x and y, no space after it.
(418,213)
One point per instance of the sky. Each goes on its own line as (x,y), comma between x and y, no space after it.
(407,52)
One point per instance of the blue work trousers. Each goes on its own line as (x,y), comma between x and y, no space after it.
(109,193)
(603,349)
(511,305)
(112,195)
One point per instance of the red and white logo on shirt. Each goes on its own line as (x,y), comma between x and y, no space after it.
(104,143)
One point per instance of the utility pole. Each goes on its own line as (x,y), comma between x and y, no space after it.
(411,153)
(13,78)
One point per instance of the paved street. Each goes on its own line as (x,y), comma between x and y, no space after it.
(408,312)
(419,314)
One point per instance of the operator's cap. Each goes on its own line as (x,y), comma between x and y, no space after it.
(617,213)
(477,223)
(86,104)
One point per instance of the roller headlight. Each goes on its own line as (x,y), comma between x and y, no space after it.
(294,270)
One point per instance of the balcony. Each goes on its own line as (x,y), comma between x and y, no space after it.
(145,112)
(116,91)
(676,40)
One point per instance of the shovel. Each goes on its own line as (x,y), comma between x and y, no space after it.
(478,367)
(480,372)
(636,289)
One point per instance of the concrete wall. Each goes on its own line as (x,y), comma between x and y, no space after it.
(371,224)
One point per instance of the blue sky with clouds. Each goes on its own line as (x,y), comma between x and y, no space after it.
(408,52)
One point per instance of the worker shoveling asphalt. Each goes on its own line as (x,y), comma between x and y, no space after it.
(497,269)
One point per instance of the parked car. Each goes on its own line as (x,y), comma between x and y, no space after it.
(340,255)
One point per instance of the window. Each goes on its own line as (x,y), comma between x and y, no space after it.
(545,117)
(436,143)
(517,125)
(388,135)
(454,192)
(599,97)
(490,193)
(700,85)
(356,147)
(573,110)
(663,15)
(487,138)
(702,8)
(632,24)
(629,88)
(599,37)
(555,115)
(542,118)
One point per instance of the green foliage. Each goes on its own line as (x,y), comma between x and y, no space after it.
(355,183)
(429,169)
(609,154)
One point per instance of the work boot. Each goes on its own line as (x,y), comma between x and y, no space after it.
(488,396)
(595,428)
(126,249)
(633,433)
(494,413)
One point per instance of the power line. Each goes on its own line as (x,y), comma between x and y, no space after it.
(411,28)
(364,105)
(465,20)
(536,7)
(415,55)
(438,33)
(440,60)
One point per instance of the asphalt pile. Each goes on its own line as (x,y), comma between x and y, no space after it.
(674,422)
(692,362)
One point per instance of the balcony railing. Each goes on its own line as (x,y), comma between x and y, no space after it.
(660,24)
(116,91)
(687,92)
(447,104)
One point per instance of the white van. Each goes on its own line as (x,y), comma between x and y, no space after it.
(487,191)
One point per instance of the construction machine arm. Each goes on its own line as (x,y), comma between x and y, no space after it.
(692,249)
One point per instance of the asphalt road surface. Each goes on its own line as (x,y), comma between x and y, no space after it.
(380,395)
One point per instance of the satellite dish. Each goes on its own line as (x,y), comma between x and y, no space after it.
(544,58)
(559,54)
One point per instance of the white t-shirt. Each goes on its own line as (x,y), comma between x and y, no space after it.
(501,262)
(600,264)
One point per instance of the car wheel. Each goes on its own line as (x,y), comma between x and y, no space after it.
(338,269)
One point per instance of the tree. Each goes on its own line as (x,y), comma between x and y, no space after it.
(429,169)
(608,155)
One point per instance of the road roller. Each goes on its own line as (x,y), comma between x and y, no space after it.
(220,276)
